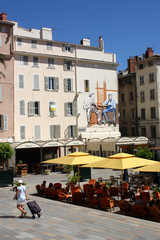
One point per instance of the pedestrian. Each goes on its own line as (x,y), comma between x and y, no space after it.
(21,197)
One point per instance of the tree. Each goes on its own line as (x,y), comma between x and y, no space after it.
(144,153)
(2,61)
(6,152)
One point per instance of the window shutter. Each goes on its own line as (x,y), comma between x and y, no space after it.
(37,132)
(22,107)
(63,48)
(72,85)
(69,131)
(46,82)
(74,107)
(72,49)
(74,131)
(57,131)
(65,65)
(56,83)
(22,132)
(0,93)
(0,40)
(65,85)
(25,60)
(5,122)
(51,131)
(66,109)
(31,108)
(21,81)
(36,82)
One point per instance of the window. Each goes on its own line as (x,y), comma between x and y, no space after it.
(143,113)
(51,83)
(3,29)
(21,81)
(21,107)
(68,65)
(52,109)
(72,131)
(150,63)
(152,95)
(23,60)
(122,97)
(36,82)
(37,132)
(3,122)
(86,85)
(0,93)
(153,112)
(22,132)
(131,96)
(34,108)
(54,131)
(68,49)
(50,62)
(141,66)
(68,84)
(123,114)
(141,80)
(70,109)
(151,77)
(143,131)
(132,114)
(133,131)
(19,41)
(153,131)
(142,96)
(33,44)
(35,62)
(49,45)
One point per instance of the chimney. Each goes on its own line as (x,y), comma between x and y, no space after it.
(3,16)
(101,42)
(132,64)
(85,42)
(149,53)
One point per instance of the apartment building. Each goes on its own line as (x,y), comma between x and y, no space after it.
(141,116)
(51,80)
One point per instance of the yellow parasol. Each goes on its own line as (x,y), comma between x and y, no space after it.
(121,161)
(76,158)
(155,167)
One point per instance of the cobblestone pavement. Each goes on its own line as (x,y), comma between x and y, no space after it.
(66,221)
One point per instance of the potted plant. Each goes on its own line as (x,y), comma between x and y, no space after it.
(73,178)
(156,192)
(67,168)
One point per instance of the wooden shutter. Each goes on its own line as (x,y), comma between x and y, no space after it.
(65,65)
(31,108)
(72,85)
(22,107)
(74,108)
(65,85)
(21,81)
(0,93)
(46,82)
(74,131)
(63,48)
(36,82)
(37,132)
(22,132)
(69,131)
(51,131)
(66,109)
(72,49)
(5,122)
(57,131)
(56,83)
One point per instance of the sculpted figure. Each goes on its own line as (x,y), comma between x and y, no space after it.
(90,106)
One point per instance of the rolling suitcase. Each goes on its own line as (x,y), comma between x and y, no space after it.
(34,208)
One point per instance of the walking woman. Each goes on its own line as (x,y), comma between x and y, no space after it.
(21,197)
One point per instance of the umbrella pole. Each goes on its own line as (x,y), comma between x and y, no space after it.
(122,181)
(78,176)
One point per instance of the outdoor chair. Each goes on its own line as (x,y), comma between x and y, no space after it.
(57,185)
(38,188)
(63,196)
(154,214)
(75,189)
(138,211)
(106,203)
(114,191)
(77,197)
(124,206)
(92,182)
(50,193)
(145,187)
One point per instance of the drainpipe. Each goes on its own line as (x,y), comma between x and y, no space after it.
(76,93)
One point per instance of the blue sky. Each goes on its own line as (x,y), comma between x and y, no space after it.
(128,27)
